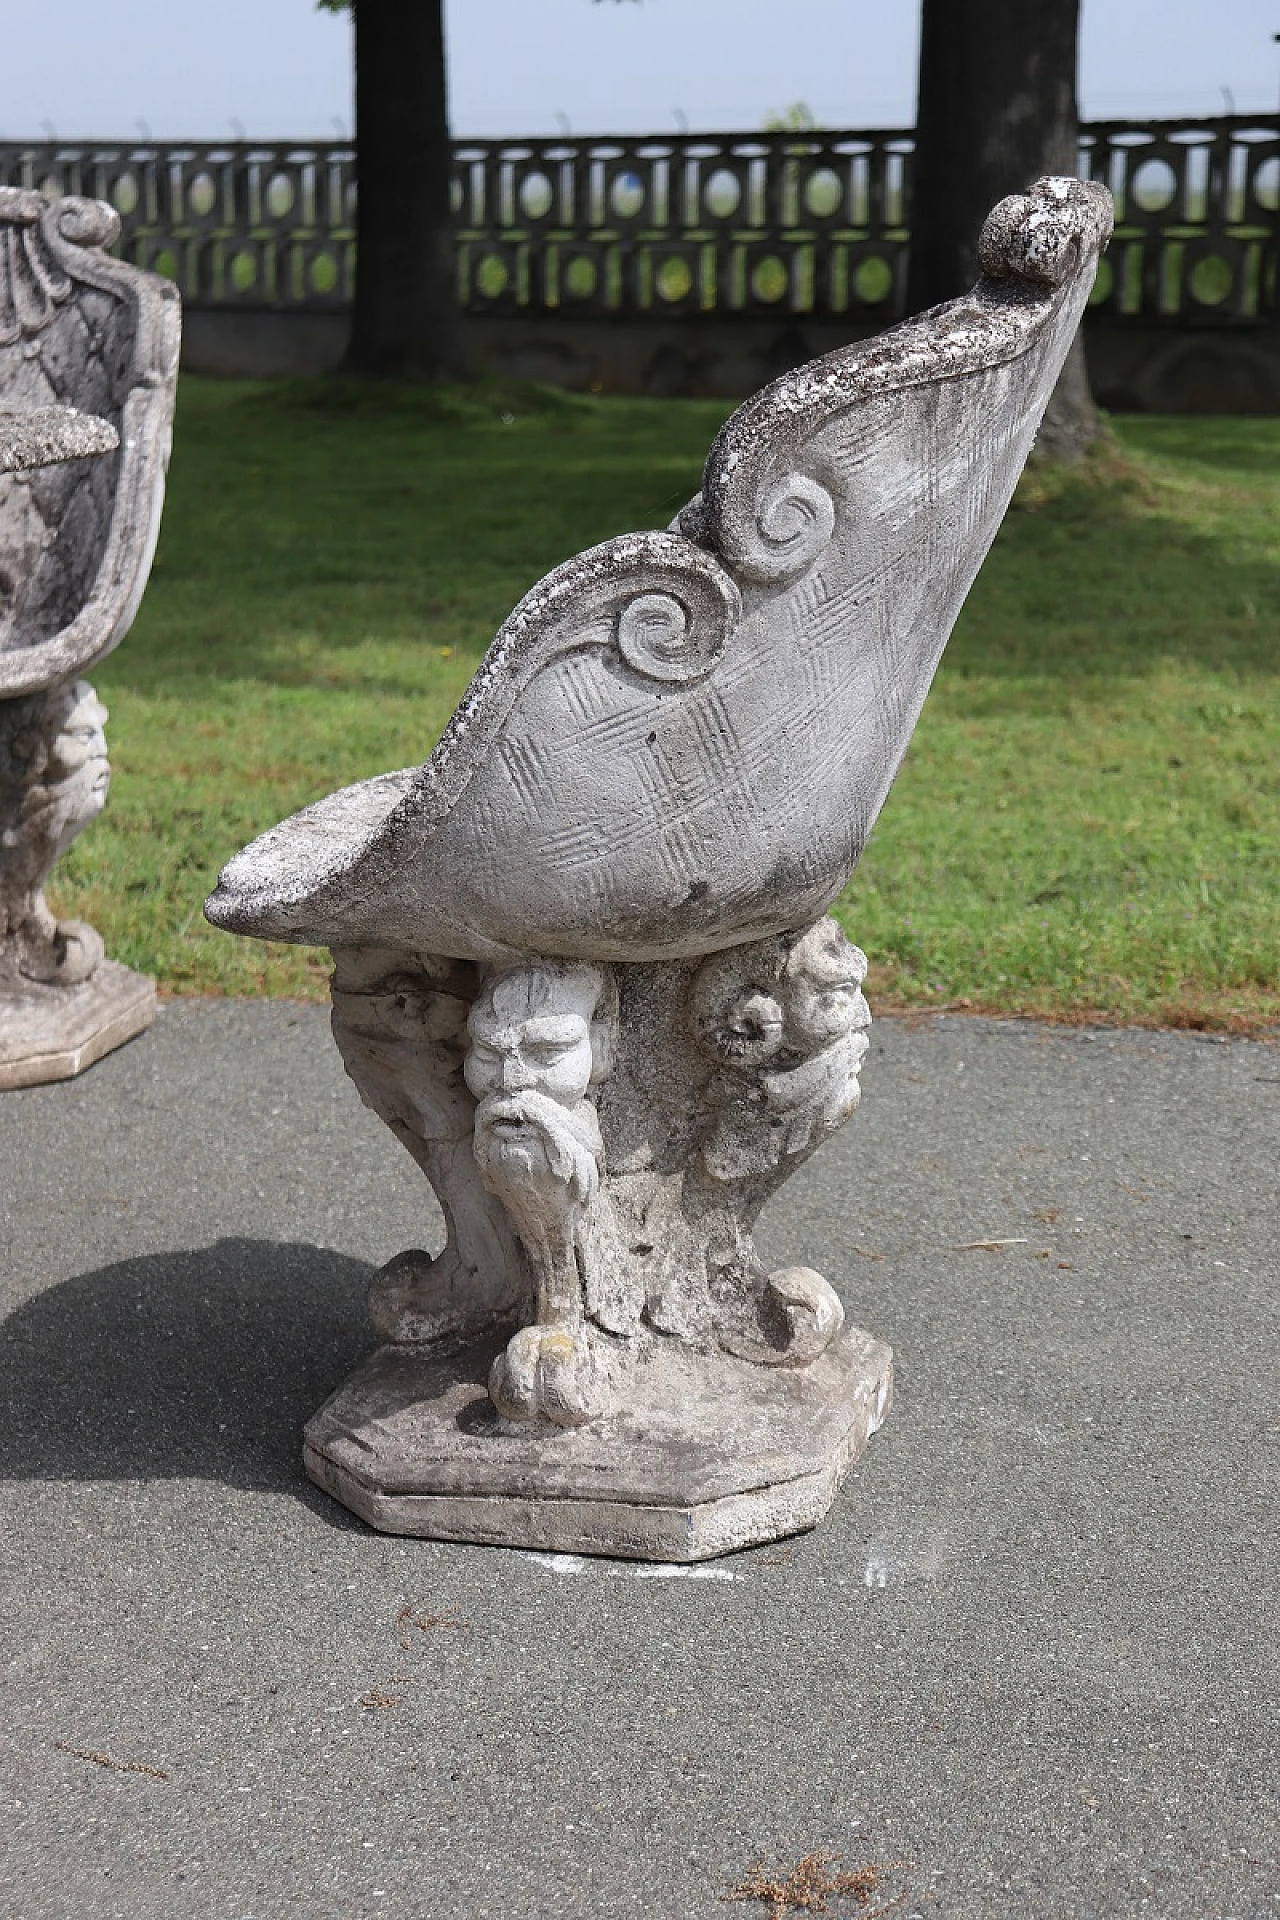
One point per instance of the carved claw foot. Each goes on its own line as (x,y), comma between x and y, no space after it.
(812,1311)
(70,956)
(803,1314)
(547,1373)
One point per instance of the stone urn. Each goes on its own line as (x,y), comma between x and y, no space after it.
(88,370)
(585,970)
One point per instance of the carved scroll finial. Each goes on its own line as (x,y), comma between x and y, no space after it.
(34,278)
(1039,236)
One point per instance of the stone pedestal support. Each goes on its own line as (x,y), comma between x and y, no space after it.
(703,1456)
(54,1033)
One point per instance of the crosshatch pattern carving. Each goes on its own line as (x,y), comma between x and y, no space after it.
(802,225)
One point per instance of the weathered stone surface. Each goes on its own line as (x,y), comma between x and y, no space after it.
(54,777)
(88,367)
(83,331)
(582,968)
(601,1141)
(680,740)
(49,435)
(413,1443)
(55,1032)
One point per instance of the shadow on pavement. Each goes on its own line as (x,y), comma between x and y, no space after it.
(203,1363)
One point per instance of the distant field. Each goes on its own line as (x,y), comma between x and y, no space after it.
(1087,823)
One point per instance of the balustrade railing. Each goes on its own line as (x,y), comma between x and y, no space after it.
(806,225)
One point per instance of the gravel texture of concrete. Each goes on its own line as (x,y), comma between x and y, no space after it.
(1027,1667)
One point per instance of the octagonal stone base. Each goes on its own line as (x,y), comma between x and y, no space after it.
(705,1455)
(54,1033)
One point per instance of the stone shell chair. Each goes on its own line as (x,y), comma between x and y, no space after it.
(88,371)
(581,967)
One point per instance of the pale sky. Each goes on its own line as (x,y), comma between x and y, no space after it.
(279,68)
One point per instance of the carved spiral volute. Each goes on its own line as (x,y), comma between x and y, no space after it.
(675,607)
(669,608)
(791,524)
(86,223)
(657,637)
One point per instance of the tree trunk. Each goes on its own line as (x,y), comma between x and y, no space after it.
(997,108)
(405,314)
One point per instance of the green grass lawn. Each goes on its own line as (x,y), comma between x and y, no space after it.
(1087,823)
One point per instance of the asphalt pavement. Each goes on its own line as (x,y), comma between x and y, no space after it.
(1026,1667)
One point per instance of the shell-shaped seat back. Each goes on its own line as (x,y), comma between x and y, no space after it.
(78,329)
(679,741)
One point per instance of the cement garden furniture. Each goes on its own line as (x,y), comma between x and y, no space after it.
(88,369)
(584,967)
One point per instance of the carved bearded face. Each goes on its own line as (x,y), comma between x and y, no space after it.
(536,1046)
(77,772)
(57,763)
(531,1033)
(822,989)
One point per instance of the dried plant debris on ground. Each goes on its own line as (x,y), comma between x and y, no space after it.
(109,1760)
(427,1623)
(814,1882)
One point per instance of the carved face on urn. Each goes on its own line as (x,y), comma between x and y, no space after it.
(821,989)
(780,1000)
(540,1036)
(53,759)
